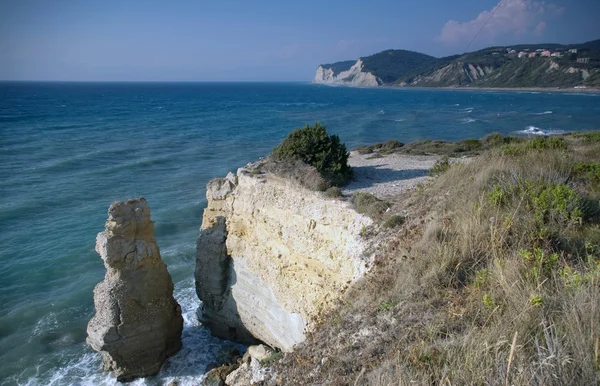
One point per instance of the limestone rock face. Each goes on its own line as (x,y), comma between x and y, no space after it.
(355,76)
(138,323)
(272,255)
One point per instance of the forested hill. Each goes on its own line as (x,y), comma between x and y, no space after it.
(525,65)
(391,65)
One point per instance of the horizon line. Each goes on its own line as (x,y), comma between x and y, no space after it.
(148,81)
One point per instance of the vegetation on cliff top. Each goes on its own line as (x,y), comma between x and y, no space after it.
(390,65)
(492,277)
(339,66)
(315,147)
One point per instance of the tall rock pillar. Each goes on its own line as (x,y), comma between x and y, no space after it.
(138,323)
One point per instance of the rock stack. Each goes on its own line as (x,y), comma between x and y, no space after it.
(138,323)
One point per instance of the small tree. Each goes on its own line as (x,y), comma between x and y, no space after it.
(315,147)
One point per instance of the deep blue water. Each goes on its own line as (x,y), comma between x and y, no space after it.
(67,150)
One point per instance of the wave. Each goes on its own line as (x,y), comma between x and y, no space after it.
(544,113)
(468,120)
(186,367)
(399,120)
(533,130)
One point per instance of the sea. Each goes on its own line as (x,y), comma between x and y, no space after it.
(68,150)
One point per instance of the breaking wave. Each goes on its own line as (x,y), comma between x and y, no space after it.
(533,130)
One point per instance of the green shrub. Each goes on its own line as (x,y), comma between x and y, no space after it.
(587,170)
(315,147)
(470,144)
(481,277)
(540,143)
(549,202)
(545,143)
(556,202)
(386,306)
(393,221)
(366,149)
(441,166)
(589,137)
(488,301)
(498,196)
(390,146)
(512,149)
(496,140)
(367,204)
(333,192)
(541,264)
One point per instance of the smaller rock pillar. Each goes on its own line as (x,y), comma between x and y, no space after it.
(138,323)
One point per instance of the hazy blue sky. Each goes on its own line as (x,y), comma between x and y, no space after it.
(261,39)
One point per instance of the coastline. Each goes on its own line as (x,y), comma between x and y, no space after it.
(589,90)
(517,89)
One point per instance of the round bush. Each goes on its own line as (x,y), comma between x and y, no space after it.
(315,147)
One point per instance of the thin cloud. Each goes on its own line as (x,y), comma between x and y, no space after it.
(510,17)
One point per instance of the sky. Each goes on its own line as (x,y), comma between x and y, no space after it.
(261,40)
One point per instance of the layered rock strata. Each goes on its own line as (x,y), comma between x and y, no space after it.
(272,255)
(138,323)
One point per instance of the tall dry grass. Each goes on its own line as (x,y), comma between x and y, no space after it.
(494,279)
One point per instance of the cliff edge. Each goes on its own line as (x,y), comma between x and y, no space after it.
(272,256)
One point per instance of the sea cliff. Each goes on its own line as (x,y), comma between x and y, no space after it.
(354,76)
(272,256)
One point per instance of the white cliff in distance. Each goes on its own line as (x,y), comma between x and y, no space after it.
(355,76)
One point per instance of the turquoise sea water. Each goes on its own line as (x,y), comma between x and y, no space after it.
(67,150)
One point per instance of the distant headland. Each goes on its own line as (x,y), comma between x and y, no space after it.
(540,66)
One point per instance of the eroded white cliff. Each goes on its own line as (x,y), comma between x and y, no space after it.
(355,76)
(272,256)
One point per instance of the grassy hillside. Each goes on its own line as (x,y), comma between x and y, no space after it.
(493,278)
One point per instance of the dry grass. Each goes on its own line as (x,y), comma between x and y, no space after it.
(494,278)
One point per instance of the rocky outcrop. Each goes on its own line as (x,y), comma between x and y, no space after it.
(138,323)
(271,256)
(355,76)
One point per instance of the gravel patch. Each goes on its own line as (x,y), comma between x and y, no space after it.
(389,175)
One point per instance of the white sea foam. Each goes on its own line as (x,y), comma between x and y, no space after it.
(186,367)
(468,120)
(533,130)
(544,113)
